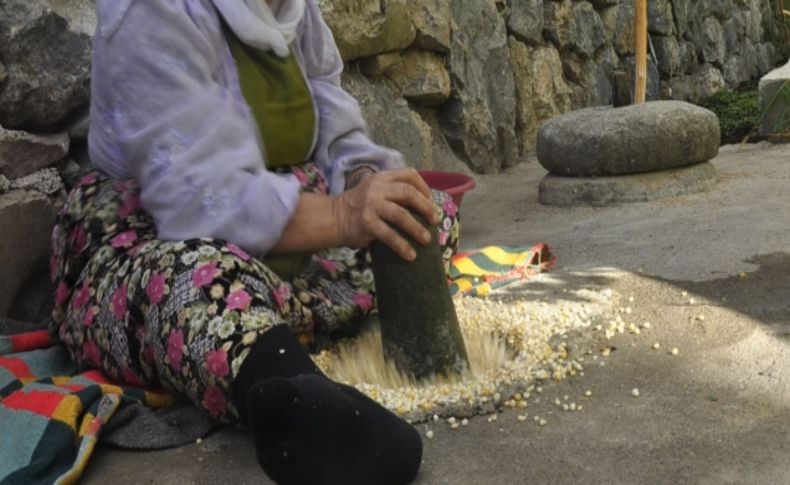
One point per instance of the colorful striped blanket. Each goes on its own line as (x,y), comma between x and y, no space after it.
(50,415)
(481,272)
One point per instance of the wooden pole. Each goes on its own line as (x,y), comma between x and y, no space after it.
(640,43)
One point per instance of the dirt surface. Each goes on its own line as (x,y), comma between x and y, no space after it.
(710,272)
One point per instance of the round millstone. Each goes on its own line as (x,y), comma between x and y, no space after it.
(562,191)
(648,137)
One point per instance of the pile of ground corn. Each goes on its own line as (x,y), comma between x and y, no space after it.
(513,346)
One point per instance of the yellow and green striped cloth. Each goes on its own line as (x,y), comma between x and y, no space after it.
(479,273)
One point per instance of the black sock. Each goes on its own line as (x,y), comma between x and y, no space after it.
(311,431)
(277,353)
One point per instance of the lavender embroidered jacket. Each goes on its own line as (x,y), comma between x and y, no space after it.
(167,110)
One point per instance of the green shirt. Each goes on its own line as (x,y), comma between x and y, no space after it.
(281,104)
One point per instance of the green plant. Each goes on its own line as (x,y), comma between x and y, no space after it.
(780,120)
(777,27)
(739,113)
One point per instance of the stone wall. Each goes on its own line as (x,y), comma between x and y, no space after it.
(453,84)
(472,80)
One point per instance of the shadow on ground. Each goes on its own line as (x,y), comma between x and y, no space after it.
(762,294)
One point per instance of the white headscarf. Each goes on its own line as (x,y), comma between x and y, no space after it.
(262,26)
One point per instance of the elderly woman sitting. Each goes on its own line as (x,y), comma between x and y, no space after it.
(212,242)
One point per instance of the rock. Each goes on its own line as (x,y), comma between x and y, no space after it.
(601,4)
(706,81)
(574,26)
(739,69)
(721,9)
(649,137)
(713,47)
(753,61)
(754,23)
(668,54)
(589,79)
(443,157)
(46,48)
(659,17)
(734,30)
(525,20)
(391,122)
(422,78)
(26,221)
(541,91)
(46,181)
(479,119)
(22,153)
(688,57)
(432,20)
(775,100)
(618,24)
(70,172)
(562,191)
(380,64)
(364,28)
(681,10)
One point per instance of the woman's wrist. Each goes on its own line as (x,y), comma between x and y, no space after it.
(315,224)
(355,176)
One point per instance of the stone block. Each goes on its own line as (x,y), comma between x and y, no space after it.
(478,121)
(775,100)
(378,65)
(576,26)
(694,87)
(562,191)
(618,21)
(659,17)
(26,221)
(364,28)
(391,122)
(605,141)
(525,20)
(46,48)
(422,78)
(541,90)
(432,21)
(46,181)
(22,153)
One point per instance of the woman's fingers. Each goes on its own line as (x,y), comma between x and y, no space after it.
(413,178)
(402,219)
(408,196)
(389,236)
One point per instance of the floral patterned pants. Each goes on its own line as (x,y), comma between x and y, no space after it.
(185,314)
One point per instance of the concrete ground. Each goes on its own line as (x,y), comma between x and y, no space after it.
(717,413)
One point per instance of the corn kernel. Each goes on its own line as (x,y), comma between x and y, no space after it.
(429,434)
(635,392)
(675,351)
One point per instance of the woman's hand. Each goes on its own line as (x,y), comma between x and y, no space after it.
(377,205)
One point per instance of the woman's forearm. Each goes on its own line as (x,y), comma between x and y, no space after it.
(313,226)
